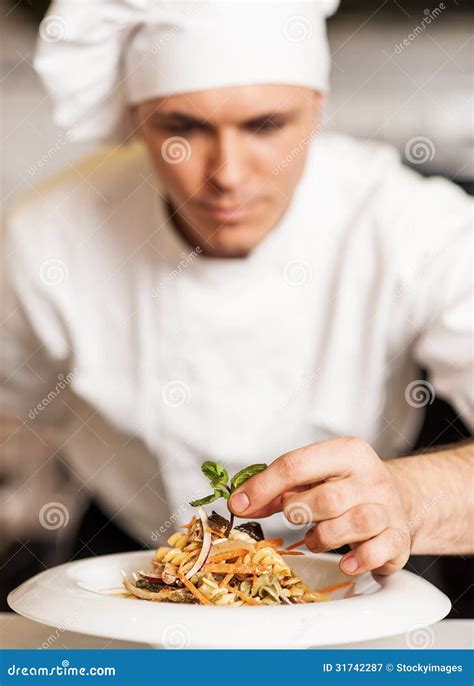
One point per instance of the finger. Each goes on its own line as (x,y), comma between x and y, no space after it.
(317,462)
(360,523)
(274,506)
(385,553)
(325,501)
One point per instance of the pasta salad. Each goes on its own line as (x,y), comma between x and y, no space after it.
(213,562)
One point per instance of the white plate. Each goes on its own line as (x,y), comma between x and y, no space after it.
(69,597)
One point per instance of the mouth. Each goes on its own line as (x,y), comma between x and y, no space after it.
(235,212)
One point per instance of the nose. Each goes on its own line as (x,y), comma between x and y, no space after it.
(228,164)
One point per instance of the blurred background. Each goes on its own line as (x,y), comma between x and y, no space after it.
(402,72)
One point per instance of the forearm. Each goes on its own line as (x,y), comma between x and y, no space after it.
(437,491)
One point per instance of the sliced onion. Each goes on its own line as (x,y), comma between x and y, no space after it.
(169,574)
(150,576)
(141,592)
(206,545)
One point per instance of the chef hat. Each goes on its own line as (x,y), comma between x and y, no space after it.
(96,57)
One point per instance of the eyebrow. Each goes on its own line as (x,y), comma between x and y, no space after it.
(189,120)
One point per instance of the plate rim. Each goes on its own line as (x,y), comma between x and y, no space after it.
(391,586)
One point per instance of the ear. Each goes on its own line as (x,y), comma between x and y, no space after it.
(319,101)
(135,121)
(319,104)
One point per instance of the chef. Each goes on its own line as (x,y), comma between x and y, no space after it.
(225,280)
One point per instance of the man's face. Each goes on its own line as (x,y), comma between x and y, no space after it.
(229,159)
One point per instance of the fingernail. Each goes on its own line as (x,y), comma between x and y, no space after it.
(350,564)
(239,502)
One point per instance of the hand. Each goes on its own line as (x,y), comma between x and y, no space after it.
(346,489)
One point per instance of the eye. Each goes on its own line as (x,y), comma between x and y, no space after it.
(183,129)
(266,126)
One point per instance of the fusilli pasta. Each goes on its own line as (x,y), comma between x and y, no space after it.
(235,570)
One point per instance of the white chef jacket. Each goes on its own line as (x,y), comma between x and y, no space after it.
(172,357)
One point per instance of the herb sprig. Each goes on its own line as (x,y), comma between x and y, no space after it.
(219,478)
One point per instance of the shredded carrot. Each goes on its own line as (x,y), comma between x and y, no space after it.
(216,533)
(229,555)
(224,568)
(244,596)
(226,579)
(295,545)
(195,591)
(236,547)
(238,560)
(190,523)
(290,552)
(269,542)
(336,587)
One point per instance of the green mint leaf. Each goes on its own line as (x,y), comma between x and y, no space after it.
(205,501)
(218,476)
(222,491)
(215,472)
(219,492)
(244,474)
